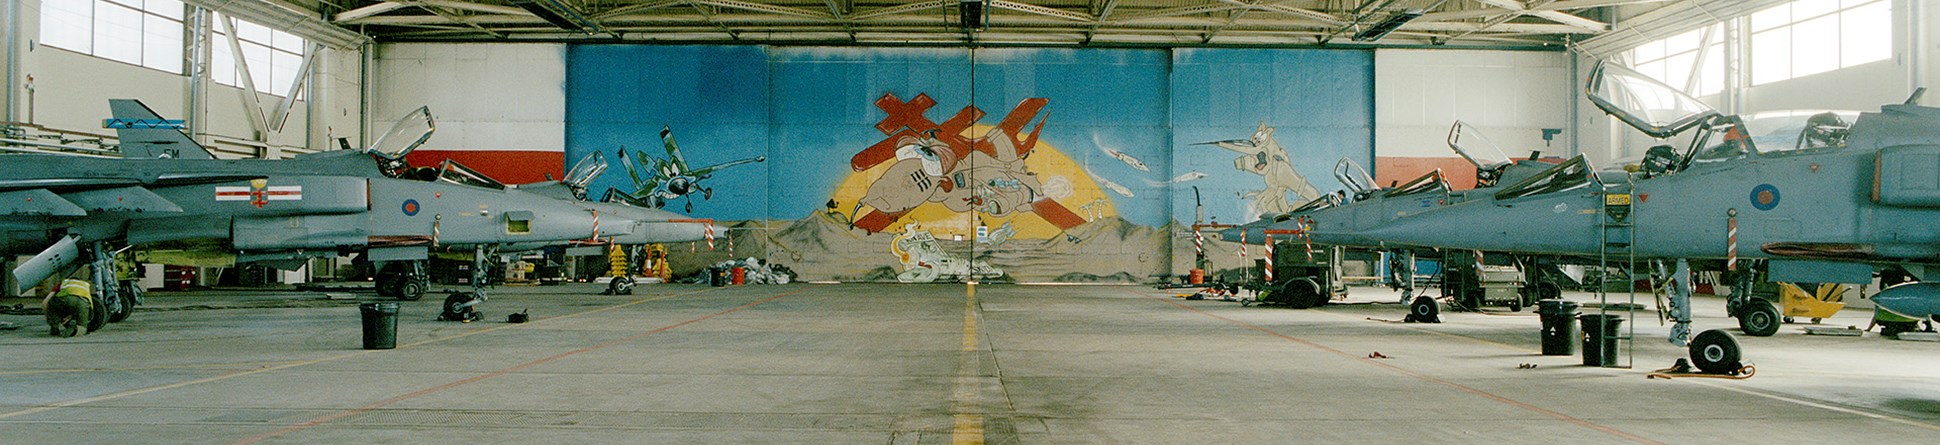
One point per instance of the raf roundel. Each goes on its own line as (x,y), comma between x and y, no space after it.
(1764,197)
(410,207)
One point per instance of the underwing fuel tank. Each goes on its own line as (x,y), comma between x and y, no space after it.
(43,265)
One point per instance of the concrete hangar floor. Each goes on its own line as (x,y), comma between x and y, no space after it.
(911,364)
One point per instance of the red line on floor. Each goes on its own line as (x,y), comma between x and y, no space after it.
(520,367)
(1397,369)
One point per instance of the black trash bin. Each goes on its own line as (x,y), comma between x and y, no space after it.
(1559,335)
(380,325)
(717,276)
(1600,339)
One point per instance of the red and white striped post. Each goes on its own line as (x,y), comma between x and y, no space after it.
(1269,258)
(1731,241)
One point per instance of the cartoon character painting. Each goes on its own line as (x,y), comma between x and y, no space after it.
(1262,155)
(936,163)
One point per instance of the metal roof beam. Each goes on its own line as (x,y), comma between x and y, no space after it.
(1043,11)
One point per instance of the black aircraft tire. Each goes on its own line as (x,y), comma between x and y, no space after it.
(1425,310)
(1759,319)
(411,290)
(387,284)
(1302,293)
(1715,352)
(1547,290)
(126,308)
(98,316)
(455,309)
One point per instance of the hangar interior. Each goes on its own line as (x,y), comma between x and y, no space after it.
(1134,94)
(972,142)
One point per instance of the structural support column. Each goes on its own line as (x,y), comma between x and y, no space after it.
(198,90)
(10,20)
(1923,69)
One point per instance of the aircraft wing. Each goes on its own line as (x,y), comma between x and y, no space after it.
(673,150)
(1243,146)
(704,172)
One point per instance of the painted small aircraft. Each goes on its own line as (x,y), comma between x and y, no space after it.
(671,177)
(1819,201)
(1120,156)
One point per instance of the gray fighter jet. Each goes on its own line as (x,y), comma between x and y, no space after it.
(1820,201)
(64,209)
(1338,220)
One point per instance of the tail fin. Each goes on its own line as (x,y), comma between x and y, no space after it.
(145,134)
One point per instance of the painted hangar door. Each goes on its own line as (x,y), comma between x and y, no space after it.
(941,165)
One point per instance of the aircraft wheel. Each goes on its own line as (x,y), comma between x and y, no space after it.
(1547,290)
(410,290)
(619,286)
(1715,352)
(127,306)
(1759,319)
(1424,310)
(1302,293)
(458,309)
(388,284)
(98,316)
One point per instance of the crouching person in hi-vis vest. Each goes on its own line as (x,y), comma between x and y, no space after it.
(69,309)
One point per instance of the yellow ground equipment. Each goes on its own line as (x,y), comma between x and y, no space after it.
(656,264)
(1818,304)
(616,260)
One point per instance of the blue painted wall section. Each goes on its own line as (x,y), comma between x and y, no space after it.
(1108,146)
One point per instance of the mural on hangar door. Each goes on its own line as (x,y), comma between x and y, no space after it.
(937,190)
(936,176)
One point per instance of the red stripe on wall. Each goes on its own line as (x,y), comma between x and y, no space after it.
(507,166)
(1392,170)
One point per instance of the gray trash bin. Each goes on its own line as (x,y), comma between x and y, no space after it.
(380,325)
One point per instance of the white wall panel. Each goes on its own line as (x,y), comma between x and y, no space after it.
(1511,95)
(485,97)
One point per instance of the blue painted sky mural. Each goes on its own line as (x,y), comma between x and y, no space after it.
(1134,121)
(928,164)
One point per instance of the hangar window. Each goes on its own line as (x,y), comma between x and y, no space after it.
(1671,60)
(1808,37)
(273,57)
(140,32)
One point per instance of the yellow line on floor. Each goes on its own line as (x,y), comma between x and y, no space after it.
(969,418)
(140,391)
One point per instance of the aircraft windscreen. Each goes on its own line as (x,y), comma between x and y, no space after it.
(584,171)
(1430,182)
(1782,131)
(1353,176)
(1570,175)
(453,172)
(1324,201)
(1644,103)
(405,135)
(1469,142)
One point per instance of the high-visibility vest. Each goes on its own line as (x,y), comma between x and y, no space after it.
(78,288)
